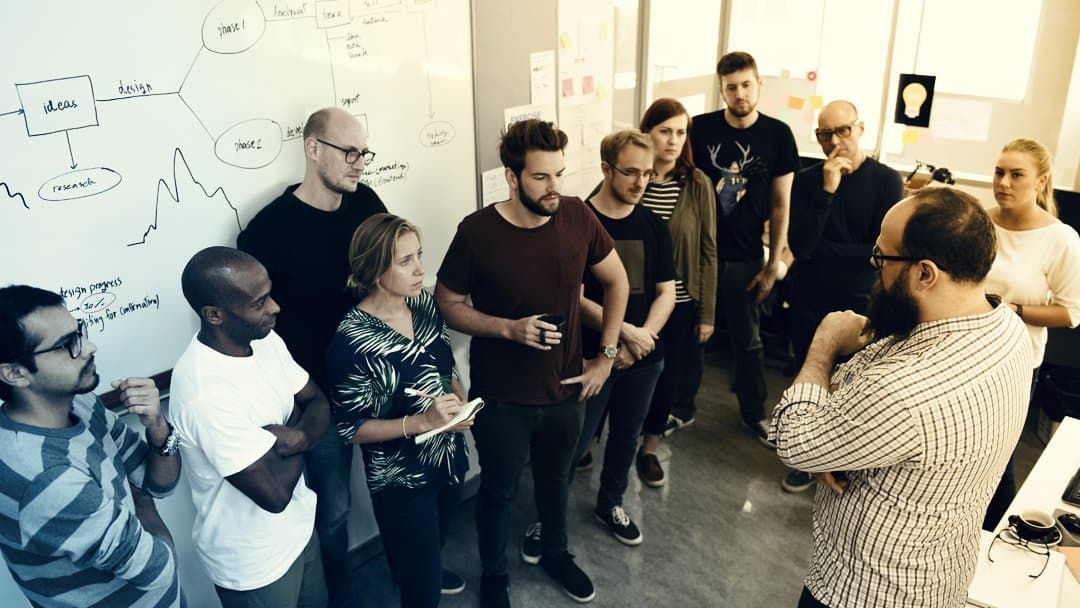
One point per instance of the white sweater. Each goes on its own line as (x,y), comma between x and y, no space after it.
(1038,267)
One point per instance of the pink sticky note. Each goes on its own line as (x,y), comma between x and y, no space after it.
(795,103)
(568,87)
(587,85)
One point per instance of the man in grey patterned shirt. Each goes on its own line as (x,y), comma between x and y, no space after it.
(911,435)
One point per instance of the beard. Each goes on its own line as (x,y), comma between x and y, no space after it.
(628,198)
(735,111)
(91,382)
(893,312)
(534,205)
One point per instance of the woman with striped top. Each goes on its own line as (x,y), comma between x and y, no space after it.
(683,196)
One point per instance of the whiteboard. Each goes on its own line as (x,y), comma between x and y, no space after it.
(133,134)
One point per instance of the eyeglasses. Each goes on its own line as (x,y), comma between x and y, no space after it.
(73,342)
(824,135)
(878,259)
(351,154)
(1009,537)
(635,174)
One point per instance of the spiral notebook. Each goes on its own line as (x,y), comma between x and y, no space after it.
(468,411)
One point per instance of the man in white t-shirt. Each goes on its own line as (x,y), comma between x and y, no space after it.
(245,413)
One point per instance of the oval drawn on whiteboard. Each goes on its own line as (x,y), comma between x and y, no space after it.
(79,184)
(438,133)
(251,144)
(233,26)
(96,302)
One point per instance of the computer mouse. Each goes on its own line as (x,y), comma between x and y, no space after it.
(1071,522)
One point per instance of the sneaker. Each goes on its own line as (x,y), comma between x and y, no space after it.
(530,544)
(452,584)
(585,463)
(798,481)
(620,524)
(493,592)
(574,582)
(760,430)
(675,423)
(649,469)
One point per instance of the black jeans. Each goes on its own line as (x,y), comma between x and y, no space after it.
(743,317)
(505,434)
(626,396)
(683,364)
(328,470)
(414,524)
(806,600)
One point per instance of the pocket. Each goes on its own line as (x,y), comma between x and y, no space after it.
(571,269)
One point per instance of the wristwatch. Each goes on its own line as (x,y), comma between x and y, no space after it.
(610,351)
(171,445)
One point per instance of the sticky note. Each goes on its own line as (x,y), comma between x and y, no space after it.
(795,103)
(911,136)
(815,102)
(927,136)
(587,85)
(601,91)
(603,33)
(785,73)
(567,87)
(565,41)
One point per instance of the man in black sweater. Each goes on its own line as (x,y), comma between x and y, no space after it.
(836,211)
(302,238)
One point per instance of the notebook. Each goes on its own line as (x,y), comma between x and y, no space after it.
(467,411)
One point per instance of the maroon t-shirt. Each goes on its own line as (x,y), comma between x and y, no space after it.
(515,272)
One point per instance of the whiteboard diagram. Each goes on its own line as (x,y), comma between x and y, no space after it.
(133,134)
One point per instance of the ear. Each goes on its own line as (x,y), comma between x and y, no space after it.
(15,375)
(214,315)
(606,169)
(511,179)
(926,274)
(310,148)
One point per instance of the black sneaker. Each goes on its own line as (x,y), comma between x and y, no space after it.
(585,463)
(493,592)
(530,544)
(574,582)
(620,524)
(452,584)
(760,430)
(675,423)
(798,481)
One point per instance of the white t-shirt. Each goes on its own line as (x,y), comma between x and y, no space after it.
(1038,267)
(219,405)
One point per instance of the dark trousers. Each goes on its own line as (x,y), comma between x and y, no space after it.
(807,308)
(413,525)
(809,601)
(505,434)
(626,397)
(301,586)
(684,361)
(328,471)
(743,318)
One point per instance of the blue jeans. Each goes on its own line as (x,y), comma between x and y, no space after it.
(743,317)
(328,470)
(629,392)
(505,434)
(414,524)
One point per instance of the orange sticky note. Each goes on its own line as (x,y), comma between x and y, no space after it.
(795,103)
(815,102)
(911,136)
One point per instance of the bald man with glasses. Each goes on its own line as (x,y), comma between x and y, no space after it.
(836,211)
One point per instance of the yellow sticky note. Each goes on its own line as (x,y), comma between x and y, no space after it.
(785,73)
(565,41)
(601,91)
(911,136)
(815,102)
(603,33)
(795,103)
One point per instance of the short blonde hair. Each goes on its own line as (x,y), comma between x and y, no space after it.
(613,143)
(1038,153)
(371,252)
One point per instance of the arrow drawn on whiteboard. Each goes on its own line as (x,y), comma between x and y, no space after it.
(19,111)
(174,194)
(427,65)
(11,194)
(67,136)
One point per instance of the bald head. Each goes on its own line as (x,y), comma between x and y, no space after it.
(215,276)
(839,131)
(328,121)
(837,112)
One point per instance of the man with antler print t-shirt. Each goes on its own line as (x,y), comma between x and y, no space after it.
(751,159)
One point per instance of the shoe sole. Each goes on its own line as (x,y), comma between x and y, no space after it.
(793,489)
(653,484)
(580,600)
(454,591)
(630,542)
(529,559)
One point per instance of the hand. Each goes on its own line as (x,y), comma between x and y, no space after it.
(290,440)
(440,411)
(140,396)
(845,332)
(638,340)
(593,377)
(623,359)
(530,330)
(834,481)
(704,332)
(764,280)
(834,168)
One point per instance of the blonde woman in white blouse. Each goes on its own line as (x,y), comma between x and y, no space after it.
(1037,268)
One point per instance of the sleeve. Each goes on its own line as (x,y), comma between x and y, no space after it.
(361,387)
(455,272)
(64,513)
(296,377)
(787,153)
(600,242)
(228,439)
(809,210)
(705,203)
(254,240)
(133,451)
(1063,276)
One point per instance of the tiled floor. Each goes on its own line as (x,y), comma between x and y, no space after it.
(720,533)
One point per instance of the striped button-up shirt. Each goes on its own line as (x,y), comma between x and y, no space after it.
(923,427)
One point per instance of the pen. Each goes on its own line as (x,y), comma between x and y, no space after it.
(412,392)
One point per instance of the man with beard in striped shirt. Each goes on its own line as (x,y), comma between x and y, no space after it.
(910,436)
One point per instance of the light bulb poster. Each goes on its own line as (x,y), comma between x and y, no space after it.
(914,98)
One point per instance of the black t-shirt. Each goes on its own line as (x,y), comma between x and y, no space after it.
(306,252)
(742,164)
(644,246)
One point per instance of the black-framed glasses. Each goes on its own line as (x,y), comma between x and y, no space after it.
(824,135)
(878,259)
(351,154)
(1009,537)
(635,174)
(72,342)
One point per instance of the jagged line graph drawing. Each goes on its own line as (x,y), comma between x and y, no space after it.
(174,195)
(11,194)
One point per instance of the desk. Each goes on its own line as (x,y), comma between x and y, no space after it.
(1043,488)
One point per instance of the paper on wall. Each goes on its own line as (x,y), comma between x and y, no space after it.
(493,186)
(542,77)
(962,119)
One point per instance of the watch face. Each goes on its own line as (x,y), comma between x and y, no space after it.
(610,351)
